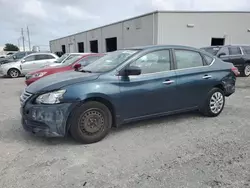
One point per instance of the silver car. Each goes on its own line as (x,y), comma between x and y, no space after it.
(27,64)
(63,59)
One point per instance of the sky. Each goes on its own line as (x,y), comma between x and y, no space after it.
(51,19)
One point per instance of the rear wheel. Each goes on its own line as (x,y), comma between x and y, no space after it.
(214,103)
(90,122)
(246,71)
(14,73)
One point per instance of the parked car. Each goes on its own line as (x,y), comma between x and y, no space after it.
(63,59)
(125,86)
(239,55)
(27,64)
(15,57)
(74,63)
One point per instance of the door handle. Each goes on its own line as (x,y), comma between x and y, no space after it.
(207,77)
(168,82)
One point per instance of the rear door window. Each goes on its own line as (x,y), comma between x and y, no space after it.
(44,56)
(234,50)
(246,49)
(188,59)
(224,50)
(212,50)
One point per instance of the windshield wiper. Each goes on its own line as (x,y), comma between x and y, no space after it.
(88,71)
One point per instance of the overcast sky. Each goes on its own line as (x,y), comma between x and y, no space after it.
(50,19)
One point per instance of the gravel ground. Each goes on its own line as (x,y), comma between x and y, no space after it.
(185,150)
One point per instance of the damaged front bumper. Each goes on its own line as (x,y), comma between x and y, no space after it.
(46,120)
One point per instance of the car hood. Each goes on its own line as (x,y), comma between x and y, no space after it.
(47,69)
(14,63)
(51,65)
(59,80)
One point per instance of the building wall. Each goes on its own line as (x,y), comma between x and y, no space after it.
(129,33)
(172,28)
(138,32)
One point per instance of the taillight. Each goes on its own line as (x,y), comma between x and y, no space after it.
(235,71)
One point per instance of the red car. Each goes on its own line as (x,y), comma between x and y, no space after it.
(71,64)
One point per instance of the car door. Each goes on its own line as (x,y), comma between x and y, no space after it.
(154,90)
(42,60)
(194,79)
(236,56)
(27,63)
(223,54)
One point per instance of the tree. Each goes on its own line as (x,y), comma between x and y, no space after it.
(10,47)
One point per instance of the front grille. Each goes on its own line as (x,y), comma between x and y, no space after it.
(24,97)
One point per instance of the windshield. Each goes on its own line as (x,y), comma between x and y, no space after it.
(109,61)
(71,60)
(212,50)
(59,60)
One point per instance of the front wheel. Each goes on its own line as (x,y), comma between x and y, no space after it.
(246,71)
(90,122)
(214,103)
(14,73)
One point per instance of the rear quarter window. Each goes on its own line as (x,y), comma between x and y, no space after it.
(208,59)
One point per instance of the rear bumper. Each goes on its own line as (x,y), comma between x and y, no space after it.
(229,84)
(240,67)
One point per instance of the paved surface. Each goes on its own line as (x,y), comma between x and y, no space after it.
(185,150)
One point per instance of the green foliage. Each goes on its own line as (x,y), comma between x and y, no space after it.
(10,47)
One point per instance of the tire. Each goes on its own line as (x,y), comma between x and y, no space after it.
(214,103)
(246,71)
(90,122)
(14,73)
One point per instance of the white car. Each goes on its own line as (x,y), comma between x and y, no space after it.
(63,59)
(27,64)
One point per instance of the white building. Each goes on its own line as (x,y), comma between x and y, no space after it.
(190,28)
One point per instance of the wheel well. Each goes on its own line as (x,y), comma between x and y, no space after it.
(14,69)
(220,86)
(106,103)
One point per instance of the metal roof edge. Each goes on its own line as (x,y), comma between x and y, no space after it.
(128,19)
(147,14)
(199,11)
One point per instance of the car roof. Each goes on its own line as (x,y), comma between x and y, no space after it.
(159,47)
(38,53)
(78,53)
(226,45)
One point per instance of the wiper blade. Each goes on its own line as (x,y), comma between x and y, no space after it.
(88,71)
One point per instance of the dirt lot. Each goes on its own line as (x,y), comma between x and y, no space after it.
(184,150)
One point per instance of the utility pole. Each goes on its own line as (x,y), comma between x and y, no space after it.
(18,43)
(28,33)
(23,39)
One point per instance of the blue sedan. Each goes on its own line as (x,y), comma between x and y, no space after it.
(124,86)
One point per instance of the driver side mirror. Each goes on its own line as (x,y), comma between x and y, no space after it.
(131,70)
(14,57)
(23,60)
(77,66)
(221,54)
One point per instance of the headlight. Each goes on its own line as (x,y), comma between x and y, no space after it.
(50,98)
(38,75)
